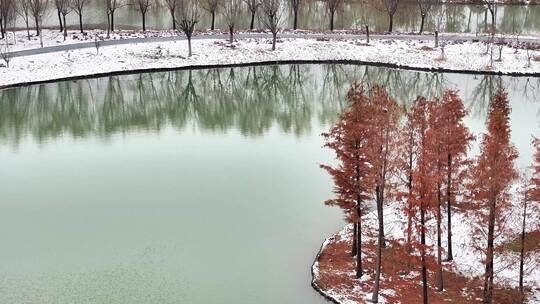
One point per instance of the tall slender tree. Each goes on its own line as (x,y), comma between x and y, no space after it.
(172,6)
(253,7)
(189,17)
(232,10)
(271,18)
(143,6)
(491,178)
(352,179)
(295,6)
(23,10)
(331,8)
(78,7)
(390,6)
(38,9)
(212,7)
(7,14)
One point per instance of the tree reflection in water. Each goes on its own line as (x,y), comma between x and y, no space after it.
(294,98)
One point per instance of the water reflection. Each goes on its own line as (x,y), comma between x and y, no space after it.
(249,99)
(516,19)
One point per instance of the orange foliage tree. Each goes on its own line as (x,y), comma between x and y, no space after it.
(490,179)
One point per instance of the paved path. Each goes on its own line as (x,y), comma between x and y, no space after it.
(82,45)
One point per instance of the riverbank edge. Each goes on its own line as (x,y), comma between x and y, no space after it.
(314,268)
(266,63)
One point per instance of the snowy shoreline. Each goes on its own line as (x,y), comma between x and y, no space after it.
(459,57)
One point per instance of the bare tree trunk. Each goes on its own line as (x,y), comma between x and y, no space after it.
(423,252)
(252,21)
(450,255)
(274,41)
(173,17)
(189,45)
(213,20)
(367,33)
(112,21)
(108,25)
(331,21)
(60,21)
(2,31)
(36,20)
(423,19)
(295,23)
(391,25)
(81,23)
(144,22)
(231,34)
(27,28)
(436,39)
(488,277)
(65,26)
(378,262)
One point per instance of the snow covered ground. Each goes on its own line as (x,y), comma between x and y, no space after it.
(466,56)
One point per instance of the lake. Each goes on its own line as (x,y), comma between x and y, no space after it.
(196,186)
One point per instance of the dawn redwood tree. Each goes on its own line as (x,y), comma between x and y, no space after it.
(295,6)
(232,10)
(253,6)
(352,179)
(211,6)
(171,6)
(78,7)
(23,10)
(531,213)
(271,18)
(455,139)
(390,6)
(382,142)
(331,7)
(143,6)
(424,181)
(189,17)
(490,181)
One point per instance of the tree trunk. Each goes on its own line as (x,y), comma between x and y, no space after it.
(436,39)
(2,31)
(367,33)
(274,41)
(450,255)
(213,20)
(488,276)
(359,269)
(391,25)
(144,22)
(493,25)
(440,285)
(60,20)
(380,215)
(36,20)
(173,17)
(423,19)
(423,253)
(231,34)
(108,25)
(355,231)
(27,28)
(81,23)
(112,21)
(375,296)
(252,20)
(189,45)
(331,21)
(295,23)
(65,27)
(522,253)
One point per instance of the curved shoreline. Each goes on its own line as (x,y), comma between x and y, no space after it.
(315,266)
(266,63)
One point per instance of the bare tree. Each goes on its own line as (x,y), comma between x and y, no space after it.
(78,6)
(331,8)
(232,13)
(58,5)
(212,6)
(253,6)
(7,14)
(23,10)
(38,9)
(111,7)
(425,7)
(64,7)
(171,6)
(271,18)
(295,5)
(390,6)
(189,17)
(143,6)
(491,6)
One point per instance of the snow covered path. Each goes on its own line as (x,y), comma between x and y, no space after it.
(468,57)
